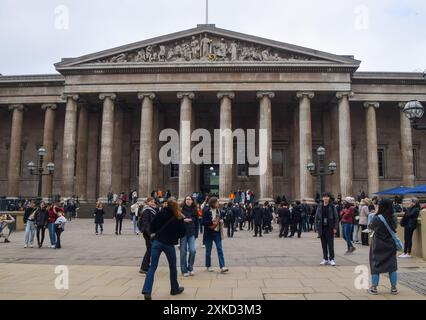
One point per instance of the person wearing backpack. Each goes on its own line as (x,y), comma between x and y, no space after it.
(230,220)
(409,222)
(146,217)
(383,247)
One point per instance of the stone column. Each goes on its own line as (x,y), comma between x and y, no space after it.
(15,150)
(126,150)
(345,144)
(82,152)
(408,179)
(107,139)
(372,156)
(49,145)
(117,152)
(226,146)
(305,144)
(69,146)
(146,140)
(93,155)
(185,172)
(265,123)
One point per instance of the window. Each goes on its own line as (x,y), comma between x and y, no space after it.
(243,170)
(174,171)
(415,162)
(278,162)
(381,157)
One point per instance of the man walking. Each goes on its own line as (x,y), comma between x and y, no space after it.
(119,214)
(258,213)
(326,221)
(284,216)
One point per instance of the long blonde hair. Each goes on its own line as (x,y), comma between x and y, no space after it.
(173,205)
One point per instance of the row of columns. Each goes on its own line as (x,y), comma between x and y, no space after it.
(76,144)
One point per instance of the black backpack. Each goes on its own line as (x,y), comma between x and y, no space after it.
(229,216)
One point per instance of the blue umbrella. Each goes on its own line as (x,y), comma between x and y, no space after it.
(419,189)
(399,191)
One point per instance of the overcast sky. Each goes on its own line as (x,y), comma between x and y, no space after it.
(387,35)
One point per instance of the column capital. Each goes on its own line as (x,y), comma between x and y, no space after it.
(103,96)
(19,107)
(308,94)
(72,96)
(143,95)
(369,104)
(269,94)
(190,95)
(228,94)
(347,94)
(49,106)
(401,105)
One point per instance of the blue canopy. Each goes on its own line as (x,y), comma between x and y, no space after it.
(419,189)
(399,191)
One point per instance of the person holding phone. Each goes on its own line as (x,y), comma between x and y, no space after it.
(187,242)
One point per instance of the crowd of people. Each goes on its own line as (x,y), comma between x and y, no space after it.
(164,224)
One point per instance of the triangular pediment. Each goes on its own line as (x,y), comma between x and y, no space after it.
(206,44)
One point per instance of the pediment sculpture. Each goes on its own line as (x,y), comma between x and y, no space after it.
(204,47)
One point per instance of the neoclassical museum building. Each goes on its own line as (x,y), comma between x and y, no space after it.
(100,117)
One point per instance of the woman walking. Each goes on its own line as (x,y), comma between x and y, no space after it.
(99,217)
(347,215)
(41,223)
(168,227)
(187,242)
(409,222)
(145,220)
(212,231)
(383,248)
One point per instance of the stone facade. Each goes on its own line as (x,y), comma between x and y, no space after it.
(101,116)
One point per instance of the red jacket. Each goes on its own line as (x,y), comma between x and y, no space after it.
(347,215)
(52,216)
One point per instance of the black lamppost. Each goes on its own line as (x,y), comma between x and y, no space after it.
(332,167)
(414,111)
(34,171)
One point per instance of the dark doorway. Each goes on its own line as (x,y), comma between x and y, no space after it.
(209,175)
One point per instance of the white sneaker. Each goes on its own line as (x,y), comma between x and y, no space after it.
(332,263)
(324,262)
(366,231)
(408,256)
(186,275)
(210,269)
(31,246)
(25,246)
(191,273)
(402,256)
(224,270)
(203,246)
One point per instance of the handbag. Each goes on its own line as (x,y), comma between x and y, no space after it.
(398,243)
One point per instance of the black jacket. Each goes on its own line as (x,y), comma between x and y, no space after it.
(284,215)
(297,213)
(41,218)
(99,215)
(28,212)
(148,214)
(168,230)
(333,218)
(411,218)
(382,249)
(190,213)
(258,214)
(118,216)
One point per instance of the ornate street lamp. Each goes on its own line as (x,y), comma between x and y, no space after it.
(332,167)
(414,111)
(34,171)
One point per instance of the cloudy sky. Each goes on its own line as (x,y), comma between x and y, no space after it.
(387,35)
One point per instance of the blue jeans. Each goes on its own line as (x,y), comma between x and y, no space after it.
(156,250)
(52,234)
(187,264)
(209,245)
(347,229)
(356,232)
(393,277)
(135,224)
(29,232)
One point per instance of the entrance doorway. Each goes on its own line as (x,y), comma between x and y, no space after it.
(209,175)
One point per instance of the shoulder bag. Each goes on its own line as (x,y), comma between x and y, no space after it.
(398,243)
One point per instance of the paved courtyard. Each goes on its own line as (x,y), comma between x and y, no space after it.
(106,267)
